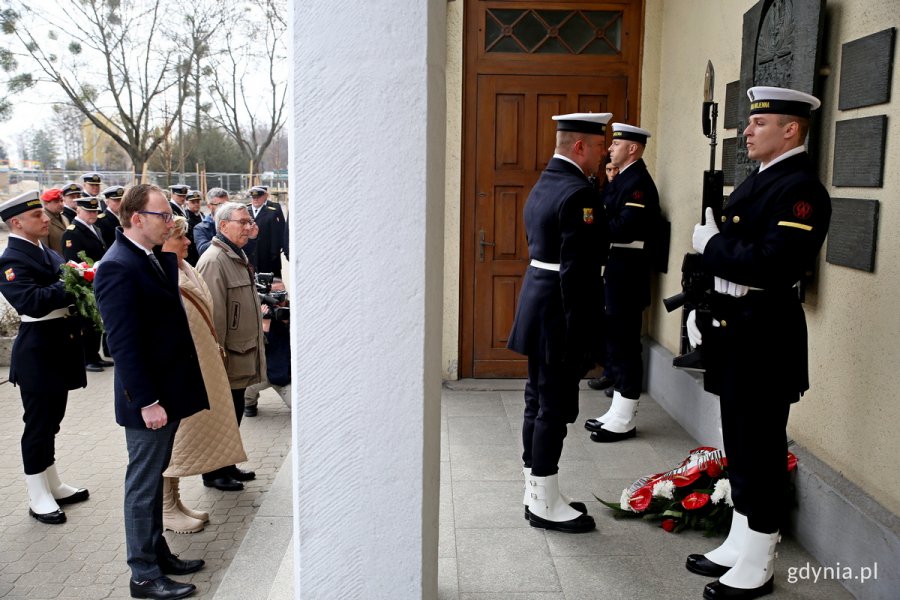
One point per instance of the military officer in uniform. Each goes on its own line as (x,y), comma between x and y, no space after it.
(91,183)
(770,232)
(31,284)
(83,235)
(108,219)
(178,193)
(632,208)
(71,192)
(555,325)
(266,253)
(194,217)
(53,206)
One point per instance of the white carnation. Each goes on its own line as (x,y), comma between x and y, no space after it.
(722,491)
(623,501)
(664,489)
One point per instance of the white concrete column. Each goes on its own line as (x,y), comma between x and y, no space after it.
(367,167)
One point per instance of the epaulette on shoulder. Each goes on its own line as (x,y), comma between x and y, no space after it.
(271,208)
(71,227)
(101,215)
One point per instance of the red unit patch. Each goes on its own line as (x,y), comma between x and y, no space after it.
(803,210)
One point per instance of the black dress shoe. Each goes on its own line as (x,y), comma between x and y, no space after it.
(699,564)
(175,566)
(600,383)
(161,588)
(719,591)
(580,524)
(609,392)
(593,425)
(105,363)
(606,437)
(51,518)
(250,411)
(93,368)
(579,506)
(79,496)
(226,484)
(241,475)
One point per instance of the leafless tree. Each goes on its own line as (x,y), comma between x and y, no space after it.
(67,121)
(248,108)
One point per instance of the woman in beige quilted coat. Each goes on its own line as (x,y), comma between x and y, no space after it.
(209,439)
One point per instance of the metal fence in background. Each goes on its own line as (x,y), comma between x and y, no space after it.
(232,182)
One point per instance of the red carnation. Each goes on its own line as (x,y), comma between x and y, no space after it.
(695,500)
(668,524)
(89,275)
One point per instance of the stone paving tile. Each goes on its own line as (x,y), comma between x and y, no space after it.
(85,557)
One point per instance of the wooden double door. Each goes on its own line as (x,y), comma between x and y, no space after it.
(509,139)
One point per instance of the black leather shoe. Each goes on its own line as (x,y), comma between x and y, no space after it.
(609,392)
(161,588)
(79,496)
(93,368)
(580,524)
(226,484)
(719,591)
(593,425)
(600,383)
(606,437)
(699,564)
(250,411)
(52,518)
(105,363)
(175,566)
(579,506)
(241,475)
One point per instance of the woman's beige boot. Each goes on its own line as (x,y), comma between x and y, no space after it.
(197,514)
(173,518)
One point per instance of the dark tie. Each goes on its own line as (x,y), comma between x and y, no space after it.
(157,266)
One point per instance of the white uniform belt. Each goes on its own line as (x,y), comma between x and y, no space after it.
(546,266)
(55,314)
(639,244)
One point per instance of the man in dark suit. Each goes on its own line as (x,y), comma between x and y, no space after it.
(555,324)
(632,210)
(83,235)
(266,254)
(108,220)
(31,284)
(771,230)
(179,193)
(158,380)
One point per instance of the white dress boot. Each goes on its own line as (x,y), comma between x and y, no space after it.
(716,563)
(62,493)
(42,506)
(548,510)
(753,574)
(619,423)
(579,506)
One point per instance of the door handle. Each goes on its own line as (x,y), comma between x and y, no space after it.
(482,244)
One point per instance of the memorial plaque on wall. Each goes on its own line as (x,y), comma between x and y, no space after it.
(732,105)
(859,152)
(853,232)
(780,47)
(866,66)
(728,153)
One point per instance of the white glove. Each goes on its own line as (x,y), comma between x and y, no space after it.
(723,286)
(703,233)
(694,335)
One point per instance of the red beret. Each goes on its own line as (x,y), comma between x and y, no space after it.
(51,195)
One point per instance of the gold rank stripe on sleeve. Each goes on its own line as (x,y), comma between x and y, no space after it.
(795,225)
(635,204)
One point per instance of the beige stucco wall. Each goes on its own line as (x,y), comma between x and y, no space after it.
(849,416)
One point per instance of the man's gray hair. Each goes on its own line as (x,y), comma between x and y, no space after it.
(216,193)
(224,212)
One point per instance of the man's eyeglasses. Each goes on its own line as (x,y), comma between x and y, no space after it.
(165,216)
(243,222)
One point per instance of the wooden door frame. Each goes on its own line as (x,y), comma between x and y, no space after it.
(476,63)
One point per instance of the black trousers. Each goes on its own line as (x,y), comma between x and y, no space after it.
(623,351)
(237,397)
(551,402)
(44,411)
(753,429)
(90,341)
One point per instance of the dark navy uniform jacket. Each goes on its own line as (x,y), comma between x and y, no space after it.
(78,237)
(632,209)
(107,222)
(193,220)
(270,240)
(46,355)
(148,335)
(771,230)
(557,311)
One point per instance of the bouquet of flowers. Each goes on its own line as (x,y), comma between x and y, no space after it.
(695,494)
(78,280)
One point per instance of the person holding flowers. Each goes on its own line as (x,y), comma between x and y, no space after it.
(31,284)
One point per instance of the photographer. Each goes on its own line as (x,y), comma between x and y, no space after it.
(276,327)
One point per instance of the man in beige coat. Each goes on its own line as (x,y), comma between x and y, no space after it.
(237,318)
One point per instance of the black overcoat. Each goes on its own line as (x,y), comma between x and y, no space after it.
(270,241)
